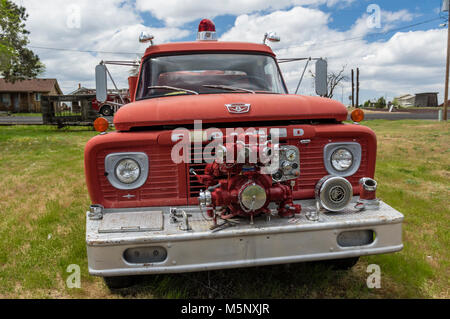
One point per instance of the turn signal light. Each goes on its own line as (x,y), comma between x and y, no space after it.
(358,115)
(101,124)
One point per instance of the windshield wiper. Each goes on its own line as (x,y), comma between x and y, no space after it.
(228,88)
(164,87)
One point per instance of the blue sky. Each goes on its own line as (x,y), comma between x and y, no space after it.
(397,60)
(343,17)
(426,10)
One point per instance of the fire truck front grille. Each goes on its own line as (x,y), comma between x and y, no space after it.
(162,185)
(312,167)
(194,186)
(172,184)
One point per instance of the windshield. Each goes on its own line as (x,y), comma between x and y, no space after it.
(208,74)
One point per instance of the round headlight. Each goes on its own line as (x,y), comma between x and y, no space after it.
(342,159)
(128,171)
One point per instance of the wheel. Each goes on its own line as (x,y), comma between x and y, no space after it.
(106,110)
(342,264)
(119,282)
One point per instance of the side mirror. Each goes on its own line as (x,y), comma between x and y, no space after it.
(322,77)
(132,85)
(101,83)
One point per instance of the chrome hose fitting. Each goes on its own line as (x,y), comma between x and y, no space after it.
(95,212)
(205,198)
(367,195)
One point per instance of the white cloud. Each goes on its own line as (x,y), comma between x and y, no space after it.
(104,25)
(407,63)
(388,21)
(294,26)
(176,13)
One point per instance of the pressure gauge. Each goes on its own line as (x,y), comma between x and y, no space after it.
(291,155)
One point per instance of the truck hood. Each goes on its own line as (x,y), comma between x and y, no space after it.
(211,108)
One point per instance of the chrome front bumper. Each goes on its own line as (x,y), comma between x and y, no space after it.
(266,242)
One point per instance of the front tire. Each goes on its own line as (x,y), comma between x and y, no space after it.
(106,110)
(119,282)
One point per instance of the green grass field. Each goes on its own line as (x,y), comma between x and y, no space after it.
(44,200)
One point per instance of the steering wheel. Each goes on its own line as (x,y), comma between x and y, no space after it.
(254,80)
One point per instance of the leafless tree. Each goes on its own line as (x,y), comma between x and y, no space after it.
(334,79)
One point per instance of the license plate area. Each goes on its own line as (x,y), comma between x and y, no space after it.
(142,221)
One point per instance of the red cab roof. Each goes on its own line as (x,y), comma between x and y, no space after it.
(182,47)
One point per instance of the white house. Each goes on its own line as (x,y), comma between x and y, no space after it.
(407,100)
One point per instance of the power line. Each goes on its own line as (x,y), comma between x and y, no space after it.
(337,42)
(82,51)
(305,45)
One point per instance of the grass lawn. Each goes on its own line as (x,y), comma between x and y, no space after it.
(44,200)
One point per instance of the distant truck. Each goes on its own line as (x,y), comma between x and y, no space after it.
(214,165)
(111,105)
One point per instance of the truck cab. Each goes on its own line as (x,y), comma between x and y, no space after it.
(215,165)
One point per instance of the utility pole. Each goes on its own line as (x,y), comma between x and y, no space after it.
(357,87)
(447,68)
(353,88)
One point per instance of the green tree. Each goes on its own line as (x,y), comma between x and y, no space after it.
(17,62)
(381,103)
(395,102)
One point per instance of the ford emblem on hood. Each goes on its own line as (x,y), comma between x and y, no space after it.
(238,108)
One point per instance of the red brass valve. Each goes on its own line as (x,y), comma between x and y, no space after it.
(250,194)
(235,180)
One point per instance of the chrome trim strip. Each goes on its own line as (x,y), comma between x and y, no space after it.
(154,269)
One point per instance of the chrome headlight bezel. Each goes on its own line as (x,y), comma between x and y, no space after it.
(111,162)
(352,147)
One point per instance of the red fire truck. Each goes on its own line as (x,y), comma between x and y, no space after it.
(215,165)
(111,105)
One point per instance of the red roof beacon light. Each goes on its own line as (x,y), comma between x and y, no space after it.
(206,31)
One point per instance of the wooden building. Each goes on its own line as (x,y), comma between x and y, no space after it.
(25,96)
(426,99)
(418,100)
